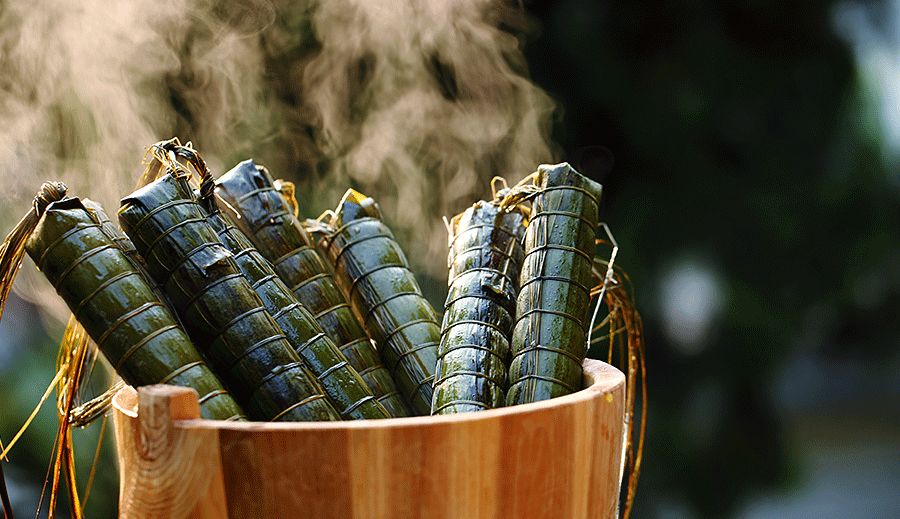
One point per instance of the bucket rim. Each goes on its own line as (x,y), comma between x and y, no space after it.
(601,380)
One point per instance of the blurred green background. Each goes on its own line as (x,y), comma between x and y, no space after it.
(750,156)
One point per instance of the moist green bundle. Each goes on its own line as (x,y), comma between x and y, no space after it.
(373,273)
(473,359)
(218,305)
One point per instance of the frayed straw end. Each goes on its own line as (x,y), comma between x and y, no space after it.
(13,248)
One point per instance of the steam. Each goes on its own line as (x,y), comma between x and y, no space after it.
(421,103)
(417,103)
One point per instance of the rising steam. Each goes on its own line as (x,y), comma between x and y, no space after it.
(416,103)
(421,103)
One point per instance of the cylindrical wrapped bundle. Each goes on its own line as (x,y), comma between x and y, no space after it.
(347,391)
(485,257)
(117,307)
(373,272)
(218,306)
(269,221)
(553,306)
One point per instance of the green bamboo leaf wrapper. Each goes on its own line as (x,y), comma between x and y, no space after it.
(218,306)
(268,220)
(553,306)
(117,307)
(373,272)
(473,358)
(347,391)
(117,236)
(124,243)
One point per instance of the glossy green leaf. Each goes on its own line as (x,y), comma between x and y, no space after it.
(553,306)
(473,358)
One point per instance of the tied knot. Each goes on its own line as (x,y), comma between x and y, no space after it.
(50,192)
(207,192)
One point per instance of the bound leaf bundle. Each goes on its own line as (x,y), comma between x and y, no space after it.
(550,336)
(485,257)
(268,219)
(346,390)
(374,275)
(218,305)
(109,295)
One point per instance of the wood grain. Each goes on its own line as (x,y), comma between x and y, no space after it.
(557,458)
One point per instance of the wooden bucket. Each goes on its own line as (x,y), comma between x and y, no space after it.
(557,458)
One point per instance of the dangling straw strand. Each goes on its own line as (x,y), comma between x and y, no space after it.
(12,251)
(70,360)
